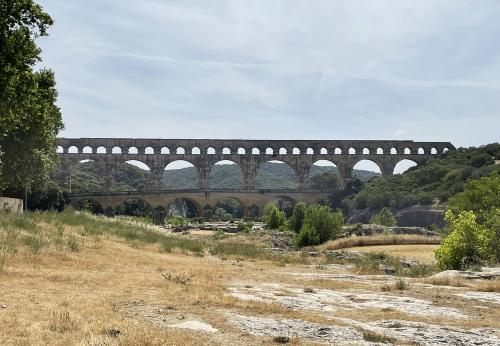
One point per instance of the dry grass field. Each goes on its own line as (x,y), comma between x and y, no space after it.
(73,279)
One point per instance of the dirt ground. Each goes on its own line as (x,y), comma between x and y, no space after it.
(113,292)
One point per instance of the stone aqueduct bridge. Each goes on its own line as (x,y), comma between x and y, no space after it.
(249,155)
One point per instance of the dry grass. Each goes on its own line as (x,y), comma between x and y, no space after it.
(420,253)
(488,286)
(446,281)
(382,239)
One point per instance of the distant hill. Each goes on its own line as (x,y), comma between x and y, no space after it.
(87,177)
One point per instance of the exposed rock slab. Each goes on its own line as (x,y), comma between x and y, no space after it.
(485,297)
(485,274)
(195,325)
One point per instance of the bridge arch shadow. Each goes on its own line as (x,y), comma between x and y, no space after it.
(225,174)
(90,205)
(135,207)
(183,207)
(275,174)
(228,208)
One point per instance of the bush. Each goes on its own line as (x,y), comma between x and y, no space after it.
(297,219)
(467,244)
(384,217)
(320,225)
(273,217)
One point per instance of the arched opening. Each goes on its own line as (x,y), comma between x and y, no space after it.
(211,151)
(180,175)
(255,151)
(149,151)
(394,151)
(282,151)
(285,204)
(241,151)
(87,176)
(180,151)
(91,206)
(116,150)
(276,175)
(310,151)
(407,151)
(101,150)
(183,208)
(421,151)
(365,169)
(445,150)
(323,151)
(352,151)
(366,151)
(135,208)
(87,150)
(338,151)
(380,151)
(433,151)
(165,151)
(133,175)
(195,151)
(269,151)
(404,165)
(225,174)
(72,150)
(133,151)
(296,151)
(60,150)
(228,209)
(226,151)
(324,175)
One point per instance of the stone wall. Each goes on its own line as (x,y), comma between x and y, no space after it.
(11,205)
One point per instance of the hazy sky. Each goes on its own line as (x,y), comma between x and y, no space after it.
(420,70)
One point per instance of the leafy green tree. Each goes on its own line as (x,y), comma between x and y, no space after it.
(320,225)
(273,217)
(467,244)
(385,217)
(326,181)
(297,219)
(29,118)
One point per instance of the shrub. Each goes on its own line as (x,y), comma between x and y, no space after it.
(467,244)
(320,225)
(297,219)
(273,217)
(384,217)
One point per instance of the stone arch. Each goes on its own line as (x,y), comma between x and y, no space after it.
(296,151)
(164,151)
(181,175)
(60,150)
(133,151)
(323,151)
(232,172)
(365,165)
(255,151)
(338,151)
(241,151)
(352,151)
(285,204)
(366,151)
(407,151)
(403,165)
(73,150)
(433,151)
(149,151)
(282,151)
(90,205)
(324,175)
(136,207)
(87,150)
(380,151)
(420,151)
(184,207)
(195,151)
(180,151)
(116,150)
(394,151)
(269,151)
(101,150)
(231,206)
(445,150)
(309,151)
(210,151)
(276,174)
(226,151)
(121,176)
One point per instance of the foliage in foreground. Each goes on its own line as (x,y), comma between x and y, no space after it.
(273,217)
(320,225)
(384,217)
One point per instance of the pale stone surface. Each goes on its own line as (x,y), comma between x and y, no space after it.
(484,274)
(485,297)
(195,325)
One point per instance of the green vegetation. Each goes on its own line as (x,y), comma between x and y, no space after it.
(29,118)
(273,217)
(297,219)
(434,181)
(385,217)
(320,225)
(473,222)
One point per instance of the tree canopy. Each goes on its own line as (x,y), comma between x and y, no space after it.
(29,117)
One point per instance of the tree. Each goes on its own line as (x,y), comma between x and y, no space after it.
(29,118)
(385,217)
(320,225)
(467,244)
(326,181)
(273,217)
(296,220)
